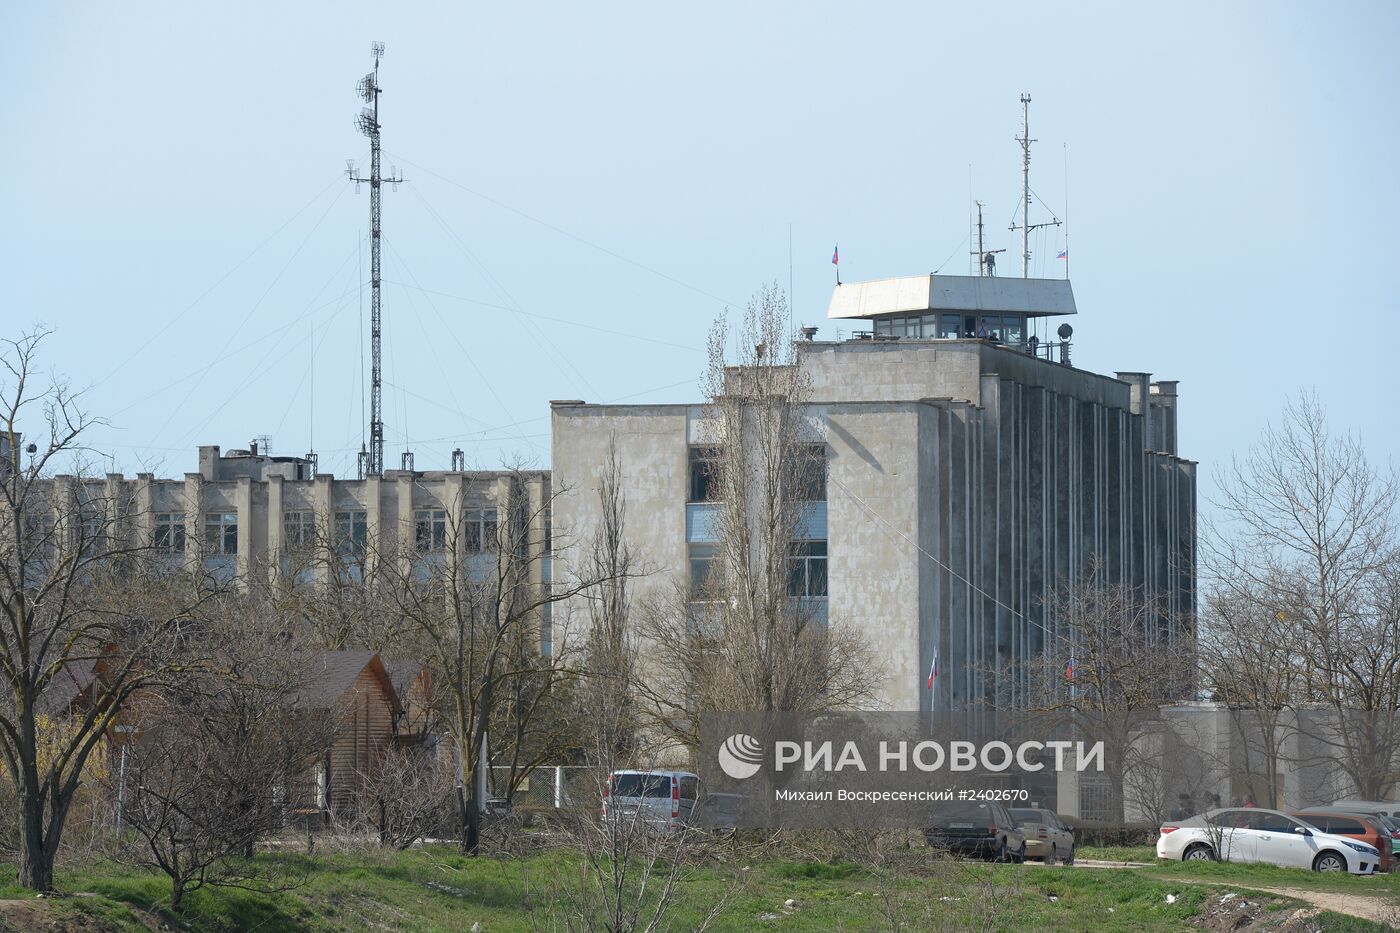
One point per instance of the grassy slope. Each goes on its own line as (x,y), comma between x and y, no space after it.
(439,890)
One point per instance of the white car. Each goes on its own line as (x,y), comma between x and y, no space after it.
(658,799)
(1251,834)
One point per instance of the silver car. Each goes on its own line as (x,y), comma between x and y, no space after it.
(656,799)
(1047,837)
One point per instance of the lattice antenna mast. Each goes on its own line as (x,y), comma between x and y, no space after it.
(1026,226)
(371,462)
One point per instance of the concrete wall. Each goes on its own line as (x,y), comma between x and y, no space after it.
(965,483)
(260,503)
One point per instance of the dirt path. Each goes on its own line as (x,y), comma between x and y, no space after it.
(1375,909)
(1364,907)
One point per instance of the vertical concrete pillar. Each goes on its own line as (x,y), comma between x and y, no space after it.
(375,540)
(1139,402)
(453,496)
(117,512)
(276,526)
(143,522)
(243,504)
(322,502)
(194,520)
(1164,394)
(403,487)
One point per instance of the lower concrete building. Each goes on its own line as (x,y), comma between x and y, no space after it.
(247,514)
(971,470)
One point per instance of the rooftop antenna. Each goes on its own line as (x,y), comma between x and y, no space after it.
(986,258)
(371,462)
(1026,226)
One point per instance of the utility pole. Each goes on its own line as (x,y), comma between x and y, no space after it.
(1026,226)
(986,258)
(371,462)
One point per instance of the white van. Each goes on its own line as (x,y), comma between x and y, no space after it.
(660,799)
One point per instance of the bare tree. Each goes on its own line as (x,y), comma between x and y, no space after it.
(474,599)
(610,652)
(1110,667)
(80,599)
(1310,524)
(406,796)
(1251,660)
(222,757)
(749,630)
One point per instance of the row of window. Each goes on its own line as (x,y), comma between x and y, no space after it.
(806,564)
(1008,328)
(809,472)
(350,529)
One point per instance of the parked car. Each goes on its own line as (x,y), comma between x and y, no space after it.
(1390,808)
(978,828)
(497,808)
(1252,834)
(1391,825)
(1370,828)
(1047,837)
(660,799)
(719,813)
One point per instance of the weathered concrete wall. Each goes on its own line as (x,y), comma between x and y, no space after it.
(966,483)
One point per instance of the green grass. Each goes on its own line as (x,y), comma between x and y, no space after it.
(438,889)
(1117,853)
(1270,876)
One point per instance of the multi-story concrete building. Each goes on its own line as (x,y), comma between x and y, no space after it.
(246,512)
(971,470)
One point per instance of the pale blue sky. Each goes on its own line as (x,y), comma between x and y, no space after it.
(1233,200)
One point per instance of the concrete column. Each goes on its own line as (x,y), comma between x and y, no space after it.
(120,533)
(375,543)
(403,488)
(143,530)
(1164,395)
(1138,400)
(243,504)
(321,501)
(454,500)
(194,521)
(275,526)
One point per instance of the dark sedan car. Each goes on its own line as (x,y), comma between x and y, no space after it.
(976,828)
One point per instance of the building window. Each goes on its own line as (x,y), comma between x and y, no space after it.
(298,528)
(91,528)
(40,532)
(811,473)
(351,532)
(170,532)
(221,533)
(480,528)
(807,569)
(1008,328)
(430,529)
(950,326)
(702,558)
(704,474)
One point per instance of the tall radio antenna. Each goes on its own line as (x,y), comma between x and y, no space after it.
(986,258)
(1026,226)
(371,462)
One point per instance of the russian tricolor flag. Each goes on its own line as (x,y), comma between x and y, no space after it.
(933,669)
